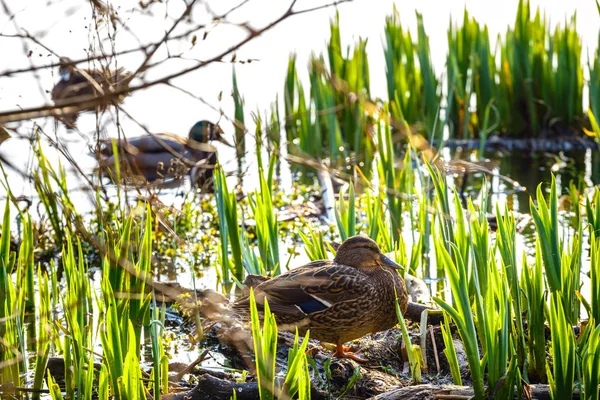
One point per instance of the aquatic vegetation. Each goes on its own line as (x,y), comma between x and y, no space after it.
(461,312)
(594,88)
(471,73)
(413,351)
(267,227)
(265,348)
(331,122)
(297,379)
(411,82)
(239,127)
(228,225)
(533,283)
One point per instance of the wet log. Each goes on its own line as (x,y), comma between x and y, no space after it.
(415,310)
(452,392)
(210,387)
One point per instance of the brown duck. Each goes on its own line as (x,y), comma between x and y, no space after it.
(339,300)
(76,82)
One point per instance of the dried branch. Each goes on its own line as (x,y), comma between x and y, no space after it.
(79,103)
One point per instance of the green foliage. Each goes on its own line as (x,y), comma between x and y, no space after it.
(591,364)
(314,245)
(594,87)
(506,243)
(562,267)
(532,282)
(415,360)
(542,73)
(229,228)
(545,217)
(44,329)
(332,121)
(345,214)
(11,330)
(239,127)
(160,362)
(411,83)
(387,174)
(471,72)
(461,311)
(265,348)
(450,351)
(350,81)
(594,299)
(562,376)
(267,228)
(297,377)
(45,180)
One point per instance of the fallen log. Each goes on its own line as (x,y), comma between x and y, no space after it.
(452,392)
(415,310)
(211,387)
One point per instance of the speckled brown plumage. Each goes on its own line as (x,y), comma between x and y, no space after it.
(77,82)
(339,300)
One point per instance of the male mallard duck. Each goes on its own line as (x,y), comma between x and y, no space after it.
(165,155)
(75,82)
(339,300)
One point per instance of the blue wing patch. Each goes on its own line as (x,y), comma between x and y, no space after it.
(311,306)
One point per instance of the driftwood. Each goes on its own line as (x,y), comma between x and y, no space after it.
(451,392)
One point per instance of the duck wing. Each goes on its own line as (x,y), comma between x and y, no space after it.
(146,144)
(79,84)
(309,289)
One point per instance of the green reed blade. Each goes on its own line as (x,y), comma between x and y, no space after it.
(239,127)
(450,351)
(533,285)
(265,348)
(563,350)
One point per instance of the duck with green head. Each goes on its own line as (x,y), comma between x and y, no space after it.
(165,155)
(339,300)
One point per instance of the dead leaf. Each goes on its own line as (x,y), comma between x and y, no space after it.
(4,135)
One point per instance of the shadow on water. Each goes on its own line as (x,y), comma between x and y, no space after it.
(516,176)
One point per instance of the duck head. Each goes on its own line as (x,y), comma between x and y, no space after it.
(362,252)
(205,131)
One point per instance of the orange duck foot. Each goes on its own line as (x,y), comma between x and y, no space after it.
(344,352)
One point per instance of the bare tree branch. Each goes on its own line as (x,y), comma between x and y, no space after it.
(79,103)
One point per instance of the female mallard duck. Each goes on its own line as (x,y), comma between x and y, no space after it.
(339,300)
(76,82)
(166,155)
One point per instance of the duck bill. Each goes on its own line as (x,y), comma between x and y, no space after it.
(224,141)
(217,135)
(386,261)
